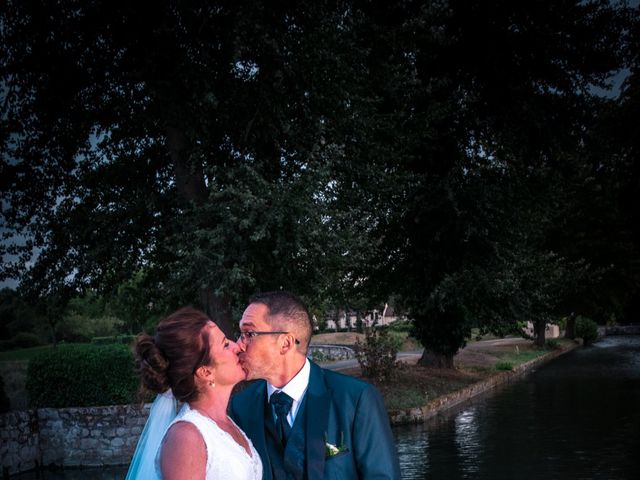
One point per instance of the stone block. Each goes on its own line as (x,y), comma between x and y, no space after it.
(117,442)
(87,443)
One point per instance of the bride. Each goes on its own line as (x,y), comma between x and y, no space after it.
(189,359)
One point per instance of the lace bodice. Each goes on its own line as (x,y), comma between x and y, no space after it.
(226,459)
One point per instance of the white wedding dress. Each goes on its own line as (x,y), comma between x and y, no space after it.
(226,459)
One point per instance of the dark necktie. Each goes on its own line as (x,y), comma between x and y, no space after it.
(281,404)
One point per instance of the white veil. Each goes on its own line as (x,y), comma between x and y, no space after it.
(143,464)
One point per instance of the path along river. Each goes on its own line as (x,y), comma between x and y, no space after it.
(577,417)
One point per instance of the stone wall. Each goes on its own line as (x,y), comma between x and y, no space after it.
(619,330)
(92,436)
(330,352)
(19,441)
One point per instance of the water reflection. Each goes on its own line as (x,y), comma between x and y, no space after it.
(577,417)
(467,439)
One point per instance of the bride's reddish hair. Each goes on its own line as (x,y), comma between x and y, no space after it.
(170,358)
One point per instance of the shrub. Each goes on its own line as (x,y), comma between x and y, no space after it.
(401,326)
(562,324)
(7,345)
(377,354)
(552,344)
(81,376)
(586,329)
(27,340)
(504,366)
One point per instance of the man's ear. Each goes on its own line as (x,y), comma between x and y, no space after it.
(287,343)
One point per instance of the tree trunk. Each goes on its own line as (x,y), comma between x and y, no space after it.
(54,333)
(540,327)
(191,187)
(437,360)
(189,176)
(570,331)
(219,309)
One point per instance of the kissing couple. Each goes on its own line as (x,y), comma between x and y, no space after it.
(296,421)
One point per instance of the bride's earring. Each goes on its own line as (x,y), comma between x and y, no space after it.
(212,384)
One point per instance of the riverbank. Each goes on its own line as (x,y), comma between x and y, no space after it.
(416,393)
(82,437)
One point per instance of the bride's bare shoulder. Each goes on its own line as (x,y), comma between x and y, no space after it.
(183,454)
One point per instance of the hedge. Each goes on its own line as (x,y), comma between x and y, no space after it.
(586,329)
(82,376)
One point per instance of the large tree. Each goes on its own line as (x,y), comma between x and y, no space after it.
(191,142)
(345,150)
(496,97)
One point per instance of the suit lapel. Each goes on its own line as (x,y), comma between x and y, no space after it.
(255,424)
(294,454)
(318,405)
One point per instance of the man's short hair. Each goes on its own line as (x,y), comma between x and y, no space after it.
(293,313)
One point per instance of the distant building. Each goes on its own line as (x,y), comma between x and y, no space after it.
(550,331)
(348,319)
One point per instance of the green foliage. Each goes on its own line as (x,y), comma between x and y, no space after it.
(132,303)
(518,357)
(344,151)
(401,326)
(377,354)
(88,316)
(27,340)
(552,344)
(16,315)
(504,366)
(81,376)
(213,194)
(562,323)
(408,397)
(586,329)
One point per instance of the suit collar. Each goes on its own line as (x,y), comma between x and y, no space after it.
(318,405)
(256,421)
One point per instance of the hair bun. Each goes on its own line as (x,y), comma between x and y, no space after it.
(151,364)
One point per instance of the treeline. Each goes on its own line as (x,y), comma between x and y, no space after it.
(473,159)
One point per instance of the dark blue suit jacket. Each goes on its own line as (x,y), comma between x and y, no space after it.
(338,409)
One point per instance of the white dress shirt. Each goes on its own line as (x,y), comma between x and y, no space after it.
(296,389)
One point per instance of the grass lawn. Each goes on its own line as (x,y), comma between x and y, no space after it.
(412,385)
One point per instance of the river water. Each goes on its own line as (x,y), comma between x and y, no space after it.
(577,417)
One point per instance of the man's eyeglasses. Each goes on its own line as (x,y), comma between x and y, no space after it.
(246,337)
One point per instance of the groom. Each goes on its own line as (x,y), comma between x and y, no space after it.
(306,422)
